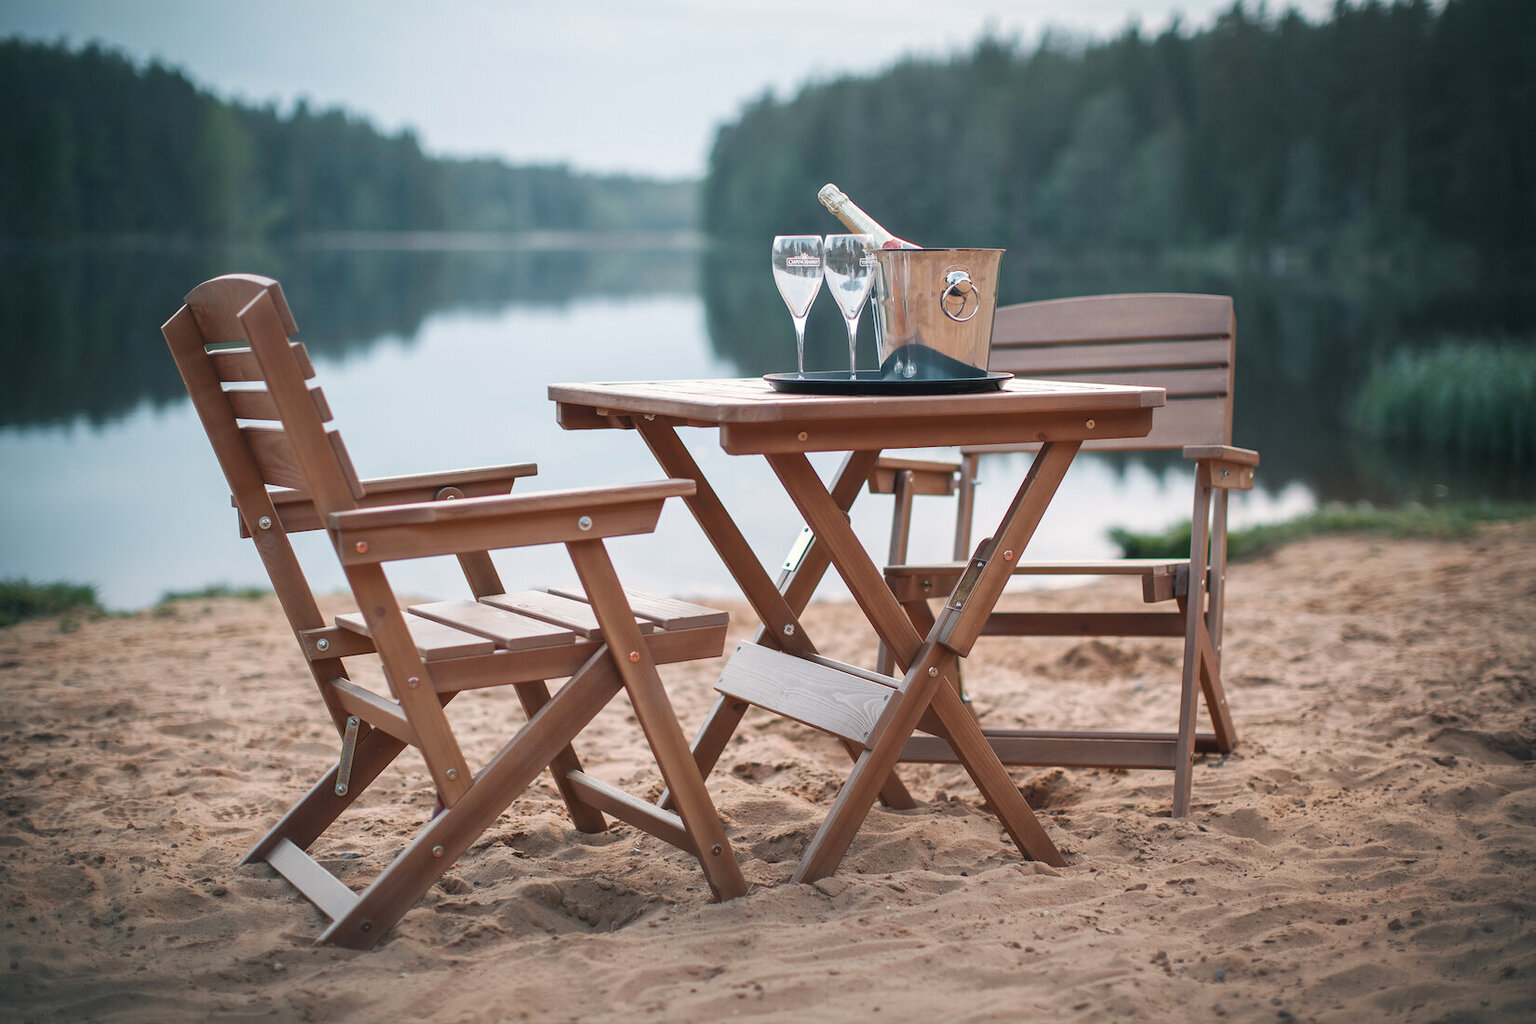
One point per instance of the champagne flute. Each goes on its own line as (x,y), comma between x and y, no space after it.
(797,272)
(850,271)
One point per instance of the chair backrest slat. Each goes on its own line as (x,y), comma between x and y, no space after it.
(1204,382)
(240,364)
(1147,317)
(1184,343)
(257,404)
(1034,359)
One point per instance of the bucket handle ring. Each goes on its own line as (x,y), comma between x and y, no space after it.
(958,283)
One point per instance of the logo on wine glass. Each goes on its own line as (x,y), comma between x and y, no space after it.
(802,260)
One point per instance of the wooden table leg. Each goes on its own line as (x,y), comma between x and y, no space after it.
(929,664)
(778,604)
(930,669)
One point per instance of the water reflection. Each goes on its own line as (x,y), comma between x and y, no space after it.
(92,411)
(1305,348)
(89,315)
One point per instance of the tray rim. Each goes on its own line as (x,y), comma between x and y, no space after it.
(835,382)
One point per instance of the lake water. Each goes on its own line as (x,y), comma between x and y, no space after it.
(436,358)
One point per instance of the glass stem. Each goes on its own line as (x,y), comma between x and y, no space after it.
(853,349)
(800,342)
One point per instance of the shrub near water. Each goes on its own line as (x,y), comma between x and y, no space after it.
(22,599)
(1474,400)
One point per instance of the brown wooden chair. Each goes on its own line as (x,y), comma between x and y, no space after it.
(290,472)
(1186,344)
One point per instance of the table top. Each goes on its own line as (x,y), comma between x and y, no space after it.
(754,418)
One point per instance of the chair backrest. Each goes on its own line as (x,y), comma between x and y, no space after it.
(1185,343)
(268,426)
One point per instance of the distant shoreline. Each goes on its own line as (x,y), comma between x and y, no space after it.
(679,240)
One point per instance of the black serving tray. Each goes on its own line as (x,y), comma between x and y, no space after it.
(873,382)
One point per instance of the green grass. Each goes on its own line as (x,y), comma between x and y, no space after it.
(21,599)
(1433,522)
(166,606)
(1467,398)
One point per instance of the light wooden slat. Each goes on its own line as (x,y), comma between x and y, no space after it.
(318,885)
(434,640)
(1179,383)
(507,667)
(813,694)
(509,630)
(1095,317)
(666,612)
(1058,360)
(239,364)
(274,456)
(569,612)
(257,404)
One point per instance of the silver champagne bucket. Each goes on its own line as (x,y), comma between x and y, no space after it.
(933,312)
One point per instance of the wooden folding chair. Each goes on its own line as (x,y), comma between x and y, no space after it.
(1186,344)
(290,472)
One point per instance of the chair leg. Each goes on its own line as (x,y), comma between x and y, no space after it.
(1193,608)
(314,812)
(653,709)
(584,816)
(446,838)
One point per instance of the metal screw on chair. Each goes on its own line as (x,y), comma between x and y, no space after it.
(802,436)
(361,547)
(933,670)
(716,850)
(789,629)
(322,644)
(1008,555)
(634,656)
(265,522)
(584,523)
(1090,424)
(413,682)
(437,851)
(451,774)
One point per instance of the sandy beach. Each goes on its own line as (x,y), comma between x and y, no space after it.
(1369,853)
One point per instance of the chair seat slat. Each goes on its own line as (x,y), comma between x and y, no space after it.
(434,640)
(667,613)
(508,630)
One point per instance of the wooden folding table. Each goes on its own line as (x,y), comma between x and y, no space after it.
(782,671)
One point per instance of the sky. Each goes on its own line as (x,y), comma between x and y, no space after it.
(606,86)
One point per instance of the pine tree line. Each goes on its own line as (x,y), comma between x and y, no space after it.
(1389,128)
(96,145)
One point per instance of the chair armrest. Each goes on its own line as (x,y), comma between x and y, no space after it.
(418,529)
(927,476)
(1224,452)
(1231,468)
(297,513)
(473,482)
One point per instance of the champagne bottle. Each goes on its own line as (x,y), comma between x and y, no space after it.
(857,220)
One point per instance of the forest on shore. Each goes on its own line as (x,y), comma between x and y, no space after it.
(1396,130)
(1401,131)
(97,145)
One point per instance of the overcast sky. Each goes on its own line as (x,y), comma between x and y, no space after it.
(601,85)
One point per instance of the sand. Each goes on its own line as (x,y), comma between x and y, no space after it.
(1366,854)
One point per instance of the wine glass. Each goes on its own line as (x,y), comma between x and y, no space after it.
(797,272)
(850,271)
